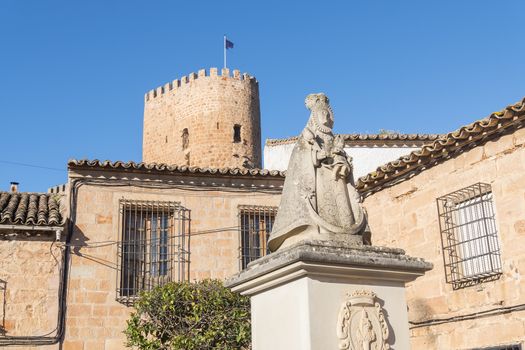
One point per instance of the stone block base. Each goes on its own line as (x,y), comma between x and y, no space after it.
(319,295)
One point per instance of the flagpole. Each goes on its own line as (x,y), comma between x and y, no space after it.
(224,47)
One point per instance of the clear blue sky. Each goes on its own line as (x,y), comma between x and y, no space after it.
(73,73)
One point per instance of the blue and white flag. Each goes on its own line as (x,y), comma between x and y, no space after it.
(228,44)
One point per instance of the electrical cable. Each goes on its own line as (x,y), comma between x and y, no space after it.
(31,165)
(182,186)
(99,244)
(471,316)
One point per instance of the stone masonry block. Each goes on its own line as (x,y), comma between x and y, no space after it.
(519,137)
(74,345)
(114,344)
(498,145)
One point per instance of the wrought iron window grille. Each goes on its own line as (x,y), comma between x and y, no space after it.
(469,236)
(255,225)
(153,248)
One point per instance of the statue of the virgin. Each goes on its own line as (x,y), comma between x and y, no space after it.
(319,200)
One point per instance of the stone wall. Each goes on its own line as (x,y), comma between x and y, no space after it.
(406,216)
(29,282)
(208,106)
(95,320)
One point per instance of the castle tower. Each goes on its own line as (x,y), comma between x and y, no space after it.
(204,120)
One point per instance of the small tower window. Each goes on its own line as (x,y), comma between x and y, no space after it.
(236,133)
(185,139)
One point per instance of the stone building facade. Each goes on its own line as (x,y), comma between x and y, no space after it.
(206,244)
(206,120)
(474,298)
(130,226)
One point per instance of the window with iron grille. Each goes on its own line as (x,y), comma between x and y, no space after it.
(153,248)
(255,225)
(469,236)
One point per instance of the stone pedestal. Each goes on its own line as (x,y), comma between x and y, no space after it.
(317,295)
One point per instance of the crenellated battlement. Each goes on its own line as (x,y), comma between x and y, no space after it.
(208,118)
(202,74)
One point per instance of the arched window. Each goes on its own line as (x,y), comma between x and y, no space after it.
(185,139)
(236,133)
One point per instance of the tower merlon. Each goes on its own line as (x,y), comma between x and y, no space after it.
(149,95)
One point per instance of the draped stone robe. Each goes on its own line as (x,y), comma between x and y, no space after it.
(317,202)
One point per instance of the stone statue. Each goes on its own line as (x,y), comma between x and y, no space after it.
(319,200)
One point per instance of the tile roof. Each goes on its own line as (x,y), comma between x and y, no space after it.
(35,209)
(164,168)
(510,118)
(372,138)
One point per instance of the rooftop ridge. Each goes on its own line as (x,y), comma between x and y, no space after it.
(30,193)
(444,147)
(365,137)
(202,73)
(163,167)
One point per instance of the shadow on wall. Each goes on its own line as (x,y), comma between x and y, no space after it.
(81,248)
(3,292)
(391,336)
(422,311)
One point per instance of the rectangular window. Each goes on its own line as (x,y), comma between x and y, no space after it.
(153,248)
(236,133)
(469,236)
(255,223)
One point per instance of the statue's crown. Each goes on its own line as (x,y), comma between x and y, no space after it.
(313,100)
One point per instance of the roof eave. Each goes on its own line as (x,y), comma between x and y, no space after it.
(467,137)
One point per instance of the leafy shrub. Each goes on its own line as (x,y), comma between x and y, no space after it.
(198,315)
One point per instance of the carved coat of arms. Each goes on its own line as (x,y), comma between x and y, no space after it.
(361,323)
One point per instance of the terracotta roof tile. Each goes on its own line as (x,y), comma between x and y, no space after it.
(165,168)
(511,117)
(372,138)
(38,209)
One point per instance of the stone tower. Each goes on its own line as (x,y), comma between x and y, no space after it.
(204,120)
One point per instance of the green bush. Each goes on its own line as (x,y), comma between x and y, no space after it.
(198,315)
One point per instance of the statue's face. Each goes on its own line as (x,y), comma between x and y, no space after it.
(324,117)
